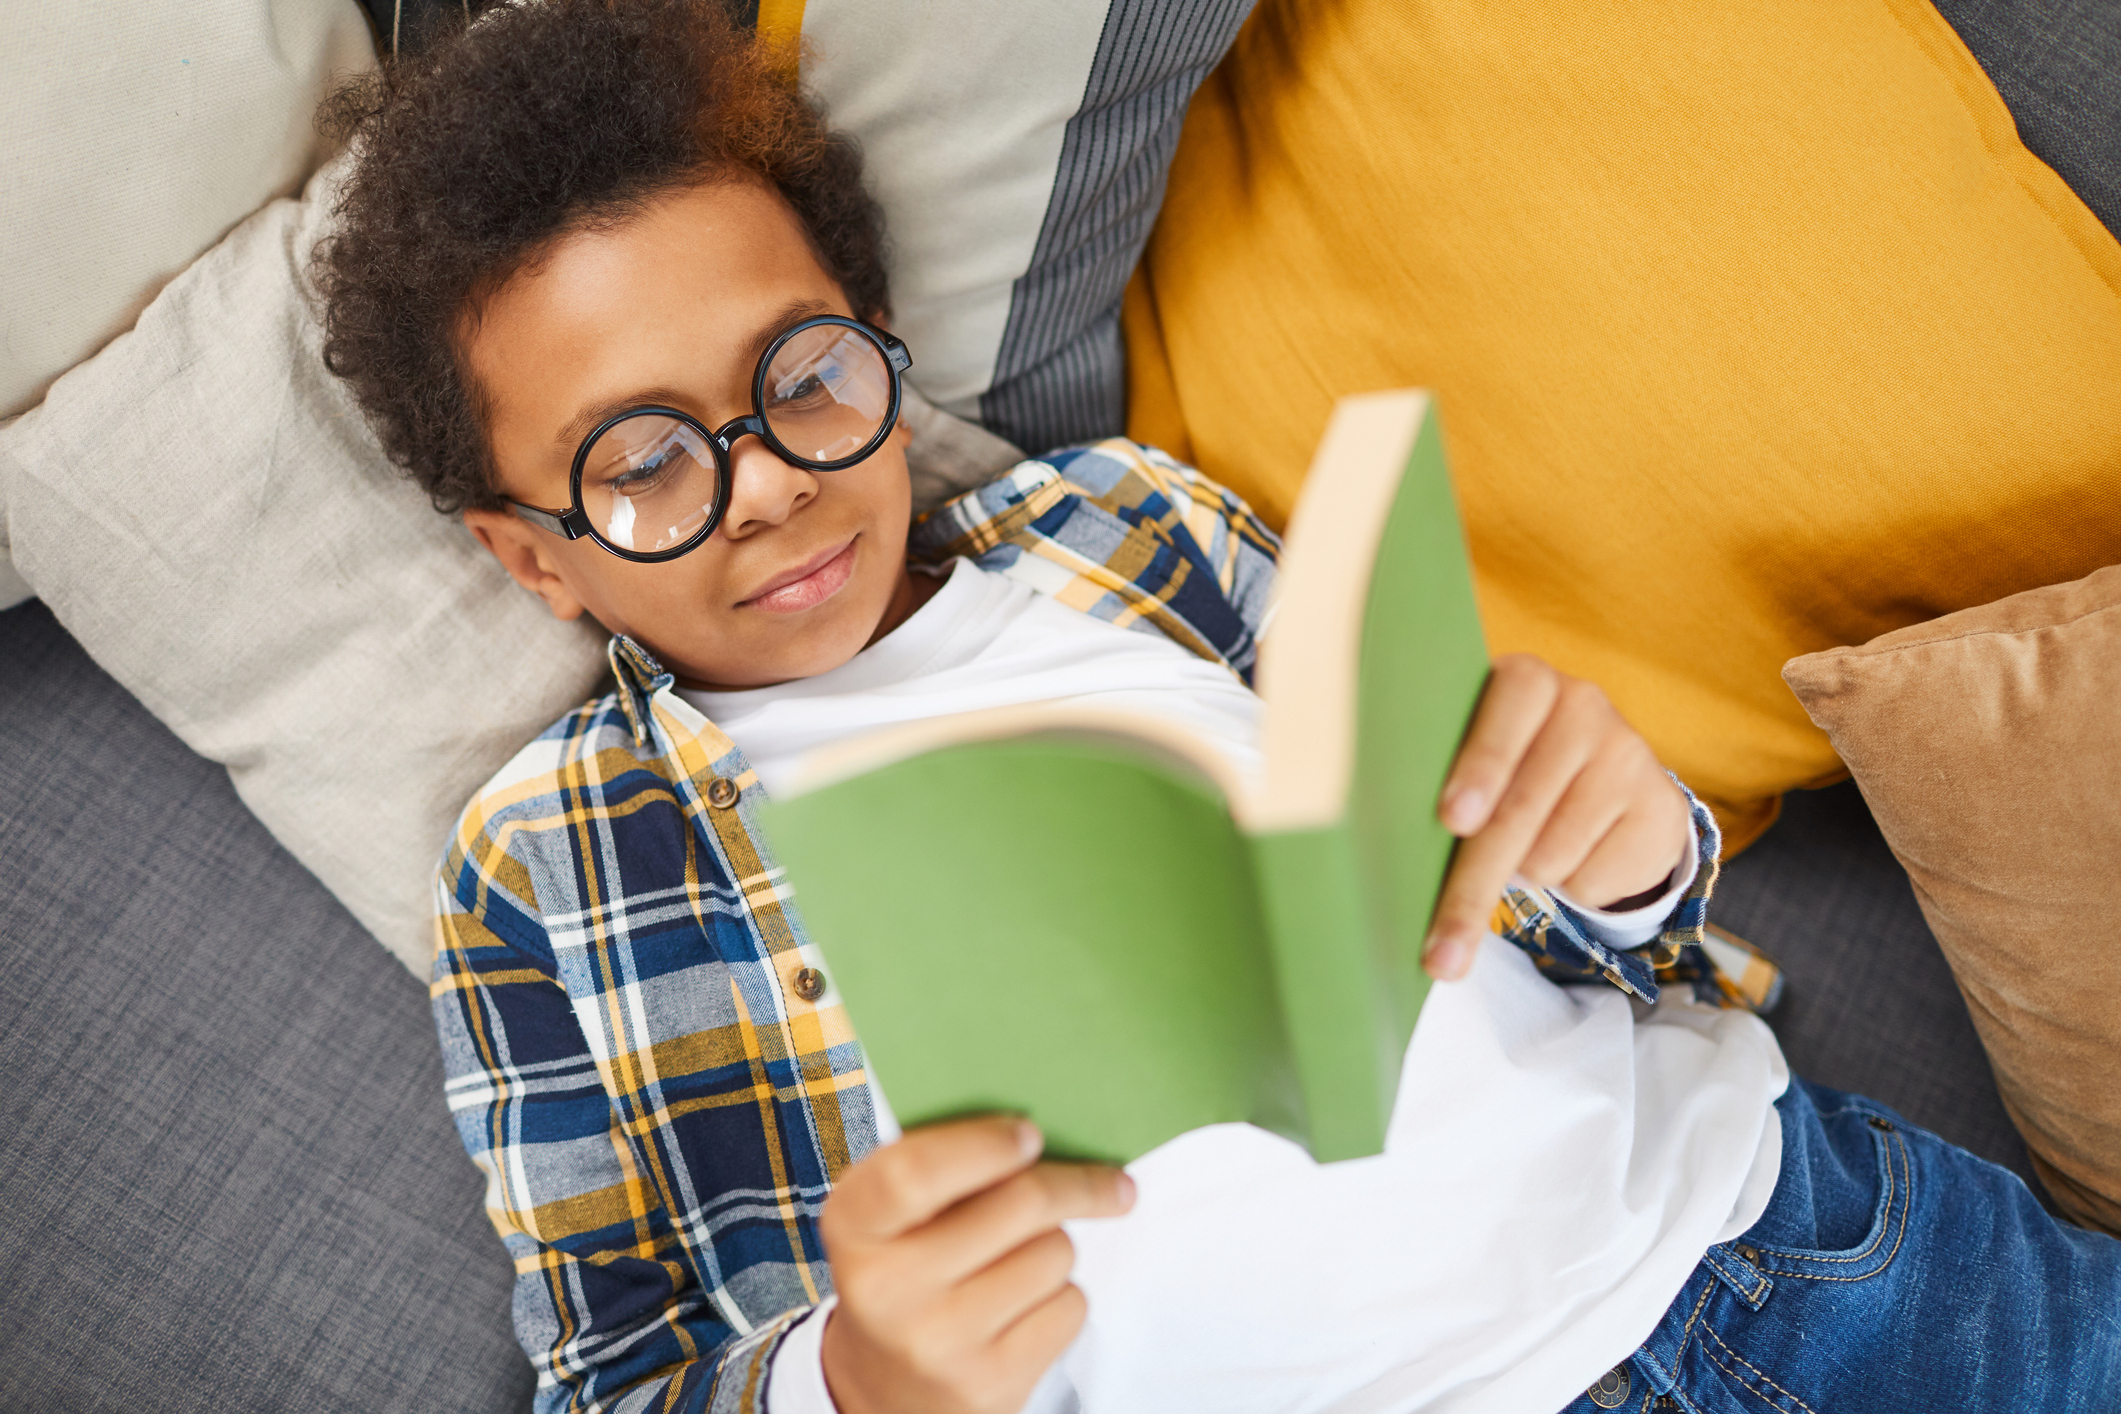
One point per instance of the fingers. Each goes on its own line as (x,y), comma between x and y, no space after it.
(1541,734)
(960,1306)
(903,1185)
(1041,1334)
(1514,706)
(990,1301)
(1614,871)
(977,1231)
(1551,784)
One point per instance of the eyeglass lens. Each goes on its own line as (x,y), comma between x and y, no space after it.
(650,481)
(826,393)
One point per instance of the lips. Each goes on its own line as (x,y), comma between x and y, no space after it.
(808,584)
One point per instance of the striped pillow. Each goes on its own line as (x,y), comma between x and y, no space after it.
(1020,165)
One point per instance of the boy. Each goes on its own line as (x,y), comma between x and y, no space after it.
(613,295)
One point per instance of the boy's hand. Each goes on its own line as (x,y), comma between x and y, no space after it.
(952,1270)
(1552,785)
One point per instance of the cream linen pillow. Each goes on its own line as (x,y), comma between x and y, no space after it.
(1988,743)
(137,135)
(204,508)
(135,139)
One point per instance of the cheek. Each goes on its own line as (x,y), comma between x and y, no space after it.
(638,599)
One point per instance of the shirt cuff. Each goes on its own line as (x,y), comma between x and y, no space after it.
(797,1384)
(1637,926)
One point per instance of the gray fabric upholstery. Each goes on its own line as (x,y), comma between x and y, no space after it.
(2057,65)
(1871,1006)
(228,1181)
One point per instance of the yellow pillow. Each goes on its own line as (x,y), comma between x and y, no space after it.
(1756,329)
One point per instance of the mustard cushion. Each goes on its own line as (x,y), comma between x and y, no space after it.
(1755,328)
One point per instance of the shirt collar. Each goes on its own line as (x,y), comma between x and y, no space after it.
(640,678)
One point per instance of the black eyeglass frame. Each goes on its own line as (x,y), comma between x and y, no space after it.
(574,523)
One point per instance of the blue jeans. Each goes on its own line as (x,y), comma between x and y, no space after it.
(1891,1274)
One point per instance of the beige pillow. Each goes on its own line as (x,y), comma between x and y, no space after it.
(1988,744)
(137,135)
(204,508)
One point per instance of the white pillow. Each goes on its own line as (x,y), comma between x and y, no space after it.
(137,134)
(204,508)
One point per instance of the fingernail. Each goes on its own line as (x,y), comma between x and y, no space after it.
(1446,958)
(1124,1190)
(1462,807)
(1028,1139)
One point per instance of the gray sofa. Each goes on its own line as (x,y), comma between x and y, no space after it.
(229,1180)
(227,1177)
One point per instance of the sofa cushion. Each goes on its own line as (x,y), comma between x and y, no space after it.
(1756,330)
(1988,743)
(1019,155)
(204,508)
(229,1179)
(1869,1006)
(136,136)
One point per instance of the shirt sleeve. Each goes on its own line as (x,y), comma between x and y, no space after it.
(606,1305)
(798,1383)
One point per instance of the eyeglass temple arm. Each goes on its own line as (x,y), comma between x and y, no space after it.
(570,524)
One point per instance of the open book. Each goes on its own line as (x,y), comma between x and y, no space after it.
(1083,916)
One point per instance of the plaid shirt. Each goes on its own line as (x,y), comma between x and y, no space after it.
(659,1113)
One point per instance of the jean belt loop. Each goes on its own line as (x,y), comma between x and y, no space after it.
(1737,1266)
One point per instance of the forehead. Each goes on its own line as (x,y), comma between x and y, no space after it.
(665,295)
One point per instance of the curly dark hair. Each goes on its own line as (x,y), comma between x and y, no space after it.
(527,123)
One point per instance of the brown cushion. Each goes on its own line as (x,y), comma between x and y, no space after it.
(1988,743)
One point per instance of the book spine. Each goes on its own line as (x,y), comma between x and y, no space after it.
(1341,1014)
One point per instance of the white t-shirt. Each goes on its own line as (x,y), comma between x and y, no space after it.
(1557,1162)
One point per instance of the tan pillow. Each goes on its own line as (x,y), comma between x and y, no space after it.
(1988,743)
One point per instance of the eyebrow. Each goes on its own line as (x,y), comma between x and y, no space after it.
(596,415)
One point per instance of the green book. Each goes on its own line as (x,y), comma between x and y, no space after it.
(1082,916)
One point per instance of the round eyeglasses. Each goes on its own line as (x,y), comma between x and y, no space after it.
(652,483)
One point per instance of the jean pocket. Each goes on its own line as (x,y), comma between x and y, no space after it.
(1875,1250)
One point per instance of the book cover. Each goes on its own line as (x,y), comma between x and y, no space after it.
(1084,916)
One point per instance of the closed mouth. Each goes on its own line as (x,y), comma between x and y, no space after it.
(807,584)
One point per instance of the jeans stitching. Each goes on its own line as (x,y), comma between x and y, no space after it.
(1895,1191)
(1752,1292)
(1649,1357)
(1695,1314)
(1761,1374)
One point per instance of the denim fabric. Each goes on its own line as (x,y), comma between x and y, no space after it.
(1891,1274)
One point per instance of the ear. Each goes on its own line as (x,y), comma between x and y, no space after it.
(517,545)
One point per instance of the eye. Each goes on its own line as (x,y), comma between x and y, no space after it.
(812,388)
(651,473)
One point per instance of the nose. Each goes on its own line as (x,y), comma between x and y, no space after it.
(764,490)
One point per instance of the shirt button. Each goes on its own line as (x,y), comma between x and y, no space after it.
(809,983)
(1612,1389)
(721,792)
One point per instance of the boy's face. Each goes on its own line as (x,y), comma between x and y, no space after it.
(673,308)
